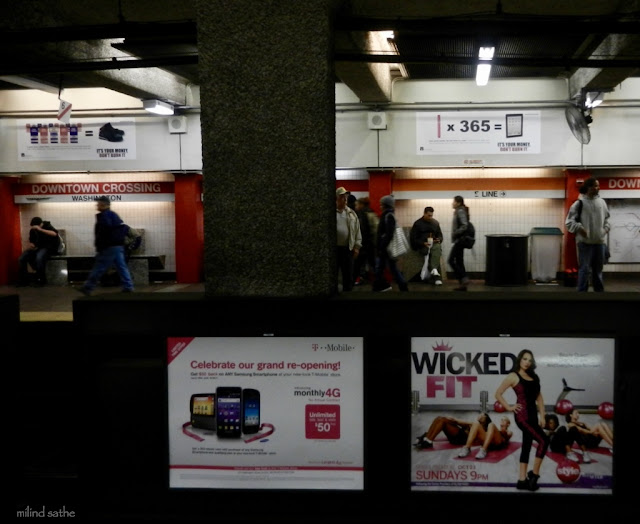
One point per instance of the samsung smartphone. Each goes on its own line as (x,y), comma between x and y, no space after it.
(250,410)
(203,411)
(229,412)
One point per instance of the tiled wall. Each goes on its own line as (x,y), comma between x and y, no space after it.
(78,219)
(490,216)
(504,216)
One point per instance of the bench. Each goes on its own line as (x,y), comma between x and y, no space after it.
(62,269)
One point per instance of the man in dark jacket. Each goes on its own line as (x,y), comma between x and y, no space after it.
(425,237)
(110,232)
(43,242)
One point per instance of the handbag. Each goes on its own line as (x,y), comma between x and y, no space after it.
(399,244)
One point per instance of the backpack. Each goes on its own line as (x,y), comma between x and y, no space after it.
(469,237)
(132,240)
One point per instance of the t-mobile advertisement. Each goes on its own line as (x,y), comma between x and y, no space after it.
(266,413)
(509,414)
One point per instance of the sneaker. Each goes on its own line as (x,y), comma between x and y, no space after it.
(532,478)
(434,272)
(481,454)
(572,456)
(438,282)
(464,453)
(426,444)
(586,458)
(110,133)
(522,484)
(381,288)
(358,281)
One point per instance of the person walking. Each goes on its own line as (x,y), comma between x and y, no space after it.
(365,263)
(588,219)
(458,229)
(110,232)
(386,228)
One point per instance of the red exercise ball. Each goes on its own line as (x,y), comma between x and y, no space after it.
(498,408)
(568,471)
(605,410)
(563,406)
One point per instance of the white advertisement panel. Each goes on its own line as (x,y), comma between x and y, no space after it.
(266,413)
(478,132)
(465,439)
(88,139)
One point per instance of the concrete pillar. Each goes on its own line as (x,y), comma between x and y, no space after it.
(268,146)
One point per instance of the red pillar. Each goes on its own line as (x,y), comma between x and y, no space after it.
(380,184)
(189,228)
(573,180)
(10,239)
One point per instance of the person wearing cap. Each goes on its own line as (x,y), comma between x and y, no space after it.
(349,239)
(386,228)
(43,242)
(110,232)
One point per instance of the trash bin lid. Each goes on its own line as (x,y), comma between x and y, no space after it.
(546,231)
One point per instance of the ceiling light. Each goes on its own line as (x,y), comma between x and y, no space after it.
(158,107)
(484,69)
(593,99)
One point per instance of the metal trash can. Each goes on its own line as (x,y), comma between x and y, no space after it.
(507,260)
(546,251)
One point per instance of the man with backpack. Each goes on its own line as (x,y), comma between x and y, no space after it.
(110,232)
(43,242)
(588,219)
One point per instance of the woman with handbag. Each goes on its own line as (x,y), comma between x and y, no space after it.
(458,230)
(386,228)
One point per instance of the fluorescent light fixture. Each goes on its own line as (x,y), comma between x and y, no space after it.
(594,99)
(158,107)
(484,69)
(482,74)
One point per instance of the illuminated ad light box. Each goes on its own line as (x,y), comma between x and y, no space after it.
(265,413)
(455,447)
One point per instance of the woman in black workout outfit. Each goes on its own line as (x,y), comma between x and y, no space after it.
(528,413)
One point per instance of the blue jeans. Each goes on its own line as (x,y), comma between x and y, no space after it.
(37,259)
(104,260)
(590,260)
(382,261)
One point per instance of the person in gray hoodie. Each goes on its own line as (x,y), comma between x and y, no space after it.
(588,219)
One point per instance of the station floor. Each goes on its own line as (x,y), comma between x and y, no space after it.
(55,303)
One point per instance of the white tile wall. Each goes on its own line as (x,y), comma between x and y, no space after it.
(156,218)
(502,216)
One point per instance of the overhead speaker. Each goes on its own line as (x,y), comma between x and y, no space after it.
(177,124)
(377,120)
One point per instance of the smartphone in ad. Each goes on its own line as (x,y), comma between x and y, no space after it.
(203,411)
(229,412)
(250,410)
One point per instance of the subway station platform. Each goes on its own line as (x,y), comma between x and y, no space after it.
(55,303)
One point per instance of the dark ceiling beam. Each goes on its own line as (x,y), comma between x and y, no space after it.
(568,63)
(101,65)
(503,27)
(153,30)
